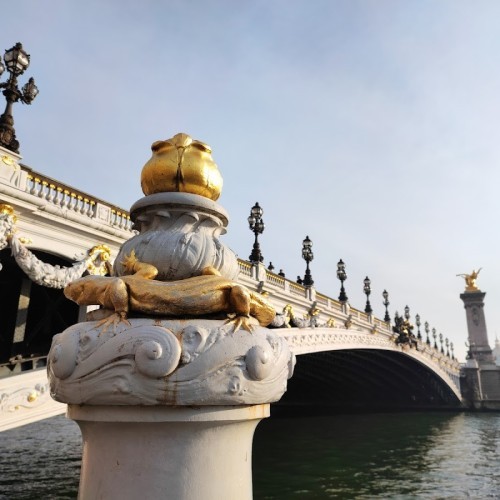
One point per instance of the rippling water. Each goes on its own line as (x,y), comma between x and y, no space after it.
(400,456)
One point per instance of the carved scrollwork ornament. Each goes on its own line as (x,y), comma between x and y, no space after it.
(168,361)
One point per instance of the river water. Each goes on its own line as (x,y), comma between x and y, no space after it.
(389,456)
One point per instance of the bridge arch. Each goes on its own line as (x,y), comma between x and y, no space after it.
(339,368)
(31,313)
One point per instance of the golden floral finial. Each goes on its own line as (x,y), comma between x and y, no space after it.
(181,164)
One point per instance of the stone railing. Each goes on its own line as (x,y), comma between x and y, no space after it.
(25,398)
(301,298)
(69,198)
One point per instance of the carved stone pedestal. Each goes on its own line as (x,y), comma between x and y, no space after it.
(180,453)
(167,407)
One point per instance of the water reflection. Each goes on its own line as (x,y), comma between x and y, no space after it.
(377,456)
(40,461)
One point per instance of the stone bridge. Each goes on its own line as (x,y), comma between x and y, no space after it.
(346,358)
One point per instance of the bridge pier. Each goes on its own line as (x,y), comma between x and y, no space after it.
(481,376)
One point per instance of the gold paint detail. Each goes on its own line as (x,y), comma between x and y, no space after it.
(98,262)
(470,280)
(198,296)
(8,160)
(32,396)
(182,164)
(8,211)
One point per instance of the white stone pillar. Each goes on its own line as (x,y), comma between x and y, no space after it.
(167,408)
(476,326)
(153,453)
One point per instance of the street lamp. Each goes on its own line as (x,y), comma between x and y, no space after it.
(417,322)
(307,255)
(441,342)
(447,343)
(426,326)
(386,303)
(434,335)
(257,226)
(17,61)
(367,289)
(452,350)
(342,276)
(407,313)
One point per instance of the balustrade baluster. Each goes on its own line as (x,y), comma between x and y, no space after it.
(52,193)
(34,189)
(59,196)
(72,201)
(79,204)
(65,198)
(43,193)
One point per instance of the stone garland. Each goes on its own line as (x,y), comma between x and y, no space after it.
(42,273)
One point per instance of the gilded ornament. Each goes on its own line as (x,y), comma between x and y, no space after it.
(197,296)
(101,254)
(32,397)
(470,280)
(8,160)
(7,210)
(181,164)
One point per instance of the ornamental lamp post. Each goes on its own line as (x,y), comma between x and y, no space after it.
(256,225)
(386,303)
(342,276)
(367,290)
(407,313)
(307,255)
(427,330)
(17,61)
(452,350)
(441,342)
(417,322)
(447,344)
(434,335)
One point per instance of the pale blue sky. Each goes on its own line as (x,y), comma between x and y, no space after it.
(371,126)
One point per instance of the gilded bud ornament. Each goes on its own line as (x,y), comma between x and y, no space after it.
(181,164)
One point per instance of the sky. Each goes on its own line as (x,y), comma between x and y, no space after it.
(370,126)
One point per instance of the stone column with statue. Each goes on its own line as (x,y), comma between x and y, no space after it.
(169,379)
(473,299)
(480,383)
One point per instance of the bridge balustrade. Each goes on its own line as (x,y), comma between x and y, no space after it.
(67,197)
(348,325)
